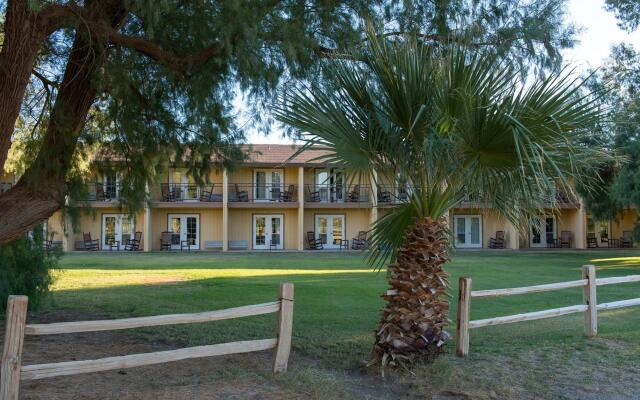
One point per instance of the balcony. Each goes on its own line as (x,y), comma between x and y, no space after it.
(102,194)
(270,195)
(328,196)
(392,195)
(185,195)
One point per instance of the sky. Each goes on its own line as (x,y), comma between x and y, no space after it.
(599,33)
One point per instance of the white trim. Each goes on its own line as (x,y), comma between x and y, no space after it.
(268,227)
(329,240)
(543,234)
(119,217)
(467,226)
(183,229)
(268,184)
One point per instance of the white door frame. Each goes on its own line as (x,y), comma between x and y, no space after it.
(467,226)
(183,184)
(328,188)
(119,217)
(328,242)
(268,229)
(268,184)
(183,230)
(543,231)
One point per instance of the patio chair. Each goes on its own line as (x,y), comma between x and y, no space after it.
(241,195)
(165,241)
(134,244)
(48,243)
(354,195)
(289,194)
(625,240)
(90,244)
(313,197)
(177,193)
(185,244)
(206,195)
(314,243)
(565,239)
(497,242)
(166,192)
(592,242)
(360,242)
(100,194)
(604,237)
(384,196)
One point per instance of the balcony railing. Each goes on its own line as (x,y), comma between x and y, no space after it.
(254,192)
(337,193)
(187,192)
(393,194)
(101,191)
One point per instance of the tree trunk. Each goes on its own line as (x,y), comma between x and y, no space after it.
(23,36)
(412,323)
(41,190)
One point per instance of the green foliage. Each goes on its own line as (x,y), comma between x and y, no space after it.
(26,268)
(620,186)
(447,122)
(626,11)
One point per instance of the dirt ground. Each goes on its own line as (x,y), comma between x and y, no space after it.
(243,376)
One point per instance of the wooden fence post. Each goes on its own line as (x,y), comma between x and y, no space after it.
(589,299)
(12,355)
(284,328)
(464,303)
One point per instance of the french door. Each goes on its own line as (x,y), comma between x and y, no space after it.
(267,232)
(468,231)
(116,228)
(184,228)
(329,183)
(268,184)
(543,231)
(184,186)
(330,230)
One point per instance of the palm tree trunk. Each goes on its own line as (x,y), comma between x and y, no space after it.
(412,322)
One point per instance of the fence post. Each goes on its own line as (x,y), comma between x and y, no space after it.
(589,298)
(12,354)
(464,303)
(284,328)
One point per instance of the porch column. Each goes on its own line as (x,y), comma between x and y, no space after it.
(67,232)
(374,198)
(147,238)
(580,236)
(225,210)
(513,235)
(300,208)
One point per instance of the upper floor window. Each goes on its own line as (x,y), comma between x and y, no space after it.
(268,184)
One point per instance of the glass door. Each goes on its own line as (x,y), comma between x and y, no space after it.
(330,229)
(468,231)
(110,183)
(330,184)
(268,184)
(183,186)
(116,228)
(184,228)
(543,231)
(267,232)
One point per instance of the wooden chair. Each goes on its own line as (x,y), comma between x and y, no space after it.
(314,243)
(360,242)
(90,244)
(604,237)
(134,244)
(100,194)
(166,193)
(565,239)
(497,242)
(289,195)
(165,241)
(354,195)
(206,195)
(313,197)
(384,196)
(592,242)
(241,195)
(48,243)
(626,241)
(184,244)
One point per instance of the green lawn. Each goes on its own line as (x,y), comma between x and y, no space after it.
(337,302)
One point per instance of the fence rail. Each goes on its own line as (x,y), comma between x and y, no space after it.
(13,371)
(590,306)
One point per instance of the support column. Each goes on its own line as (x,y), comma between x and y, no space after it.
(580,237)
(225,210)
(146,228)
(67,229)
(300,208)
(374,199)
(513,236)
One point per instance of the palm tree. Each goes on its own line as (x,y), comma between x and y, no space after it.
(444,122)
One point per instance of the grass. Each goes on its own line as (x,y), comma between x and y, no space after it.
(337,303)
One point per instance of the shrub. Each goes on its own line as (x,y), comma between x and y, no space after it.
(26,268)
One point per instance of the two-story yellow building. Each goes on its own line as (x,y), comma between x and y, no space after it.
(278,201)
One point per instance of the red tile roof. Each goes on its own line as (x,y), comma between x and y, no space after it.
(278,154)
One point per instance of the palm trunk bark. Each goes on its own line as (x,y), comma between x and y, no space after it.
(412,322)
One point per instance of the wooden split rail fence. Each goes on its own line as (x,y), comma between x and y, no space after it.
(13,371)
(589,305)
